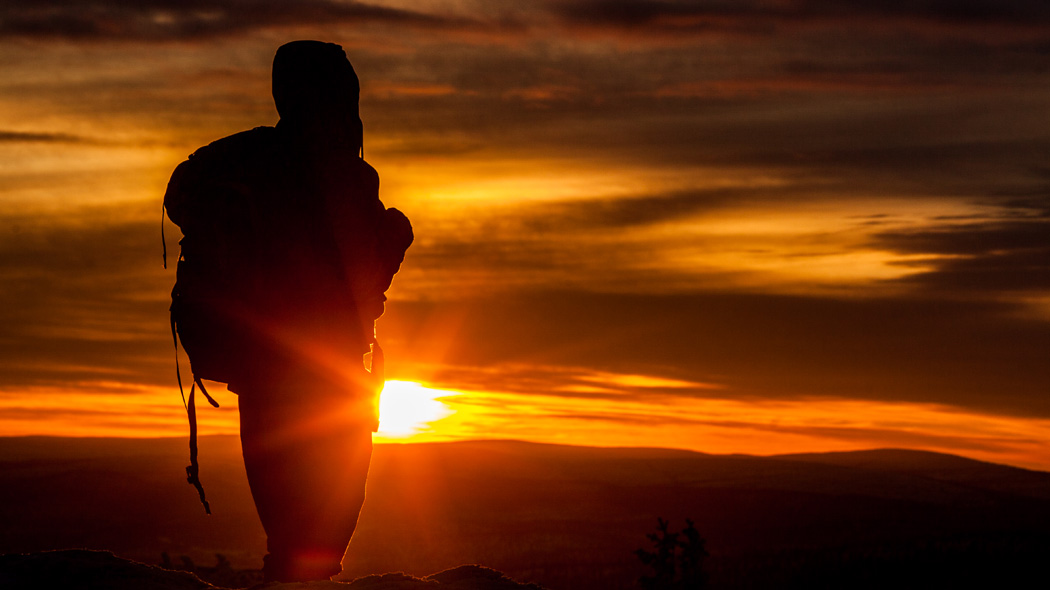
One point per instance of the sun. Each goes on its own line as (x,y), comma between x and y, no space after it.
(406,408)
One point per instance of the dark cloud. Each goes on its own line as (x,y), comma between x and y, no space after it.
(38,137)
(623,212)
(872,102)
(83,299)
(576,218)
(640,13)
(976,11)
(859,120)
(978,239)
(857,114)
(561,381)
(83,302)
(672,14)
(977,355)
(988,259)
(164,20)
(161,20)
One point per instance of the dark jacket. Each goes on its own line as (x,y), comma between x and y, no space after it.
(288,250)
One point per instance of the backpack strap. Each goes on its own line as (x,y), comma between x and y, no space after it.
(378,368)
(193,469)
(377,379)
(178,373)
(163,242)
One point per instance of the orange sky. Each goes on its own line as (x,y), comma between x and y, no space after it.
(758,227)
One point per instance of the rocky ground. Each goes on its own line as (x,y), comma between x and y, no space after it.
(81,569)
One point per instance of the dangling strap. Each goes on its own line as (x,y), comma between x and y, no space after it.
(193,470)
(378,368)
(198,383)
(378,380)
(178,374)
(163,242)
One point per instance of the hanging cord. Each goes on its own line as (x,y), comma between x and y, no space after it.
(200,385)
(377,371)
(378,368)
(193,469)
(178,373)
(163,242)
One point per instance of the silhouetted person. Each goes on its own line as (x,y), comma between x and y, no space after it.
(286,257)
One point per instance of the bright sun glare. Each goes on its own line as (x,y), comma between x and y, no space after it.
(406,408)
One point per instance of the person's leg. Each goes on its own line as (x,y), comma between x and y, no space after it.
(307,462)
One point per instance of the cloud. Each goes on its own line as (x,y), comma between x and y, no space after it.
(990,259)
(558,380)
(42,137)
(166,20)
(970,354)
(636,210)
(84,299)
(923,124)
(671,15)
(854,430)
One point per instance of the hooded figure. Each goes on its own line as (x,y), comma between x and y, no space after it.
(286,255)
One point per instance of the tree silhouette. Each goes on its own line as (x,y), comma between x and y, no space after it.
(676,559)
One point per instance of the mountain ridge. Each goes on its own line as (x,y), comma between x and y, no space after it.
(562,516)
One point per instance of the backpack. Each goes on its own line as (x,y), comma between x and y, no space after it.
(206,197)
(213,310)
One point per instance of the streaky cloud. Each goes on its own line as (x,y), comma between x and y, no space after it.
(43,137)
(168,20)
(672,14)
(989,259)
(974,354)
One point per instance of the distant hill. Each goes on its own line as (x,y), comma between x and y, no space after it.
(565,517)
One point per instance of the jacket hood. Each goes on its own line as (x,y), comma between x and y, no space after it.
(315,86)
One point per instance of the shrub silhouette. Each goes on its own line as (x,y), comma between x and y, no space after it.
(676,559)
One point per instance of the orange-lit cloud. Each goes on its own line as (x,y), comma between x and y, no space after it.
(618,410)
(102,408)
(158,21)
(729,426)
(616,202)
